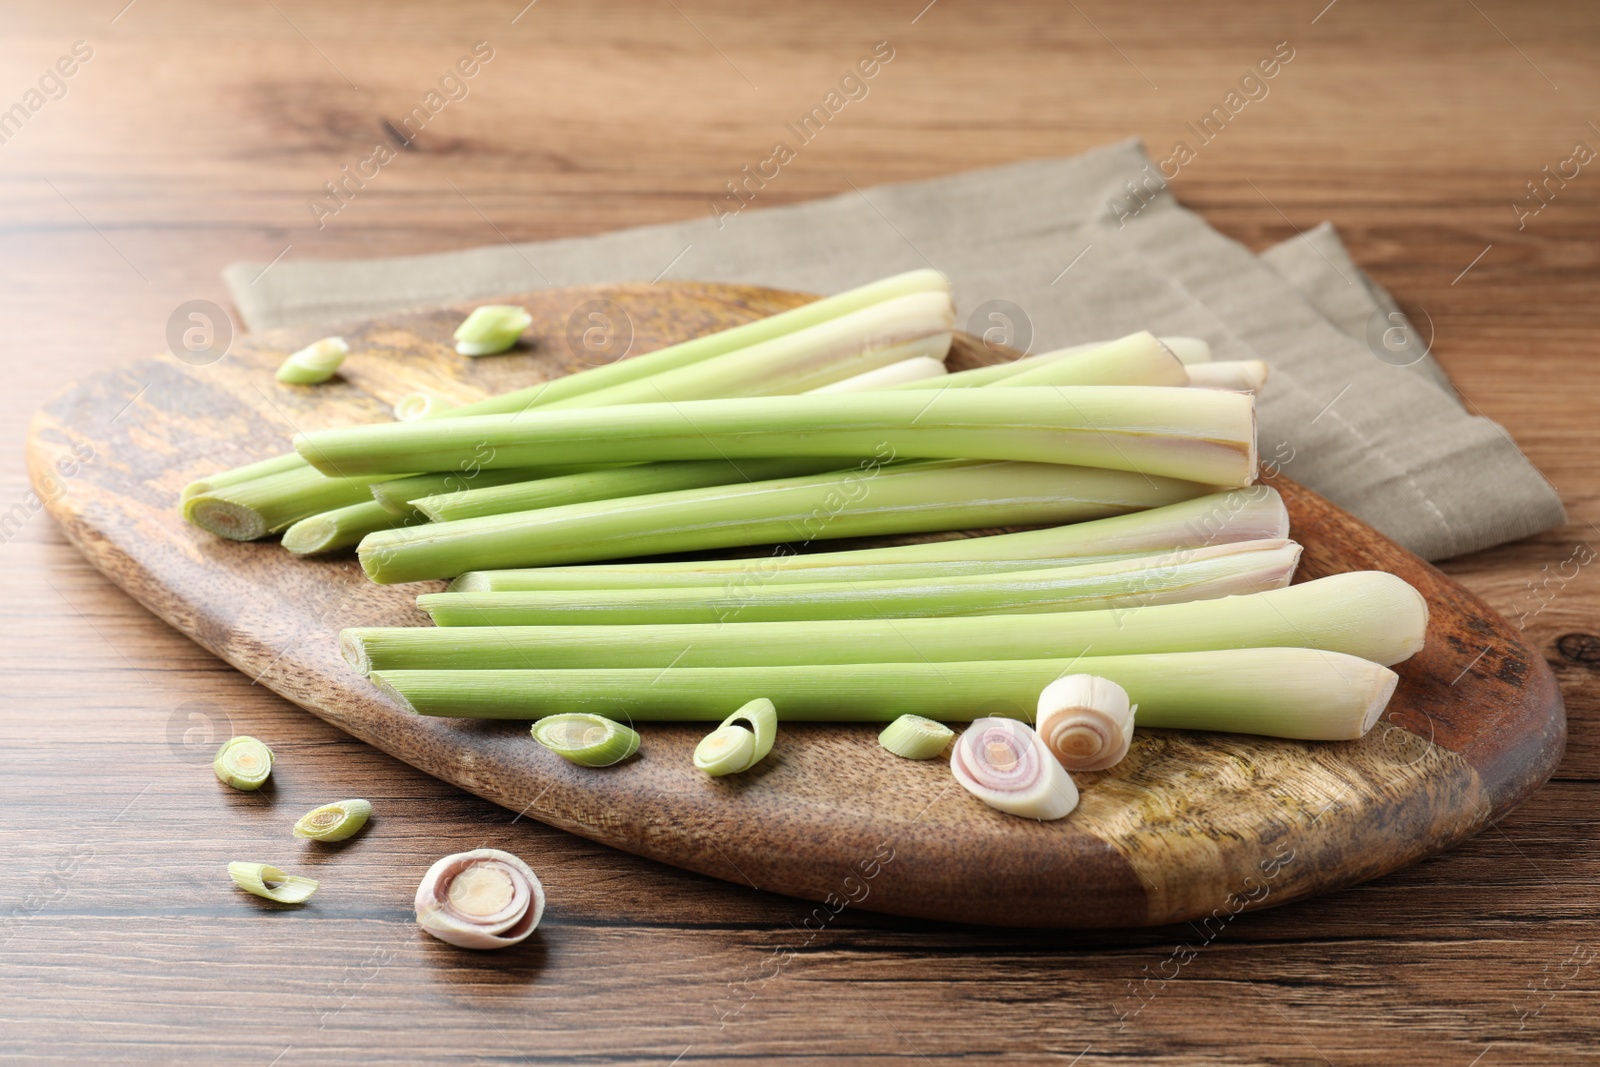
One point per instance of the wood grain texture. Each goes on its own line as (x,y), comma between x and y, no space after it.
(1190,826)
(194,138)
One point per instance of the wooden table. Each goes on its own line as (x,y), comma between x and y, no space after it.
(194,135)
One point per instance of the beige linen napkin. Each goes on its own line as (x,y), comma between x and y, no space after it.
(1055,252)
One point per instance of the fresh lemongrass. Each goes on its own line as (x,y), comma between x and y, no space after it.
(289,461)
(251,510)
(1193,574)
(1278,692)
(1370,614)
(1005,764)
(905,327)
(397,495)
(340,528)
(483,899)
(315,363)
(872,500)
(1256,513)
(742,741)
(1189,350)
(1137,359)
(265,880)
(915,369)
(590,740)
(1086,722)
(243,763)
(338,821)
(614,483)
(420,406)
(491,329)
(1241,376)
(915,737)
(1200,435)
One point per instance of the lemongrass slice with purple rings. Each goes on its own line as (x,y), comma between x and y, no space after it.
(1085,721)
(482,899)
(1006,765)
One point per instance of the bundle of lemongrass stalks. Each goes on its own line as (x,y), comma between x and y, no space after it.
(1161,567)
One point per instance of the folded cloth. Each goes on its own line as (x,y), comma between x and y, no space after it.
(1056,252)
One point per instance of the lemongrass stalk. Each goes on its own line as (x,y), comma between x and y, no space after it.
(1278,692)
(1189,350)
(905,327)
(916,369)
(867,501)
(397,495)
(253,509)
(613,483)
(1195,434)
(340,528)
(1199,574)
(1241,375)
(1370,614)
(1137,359)
(289,461)
(1252,514)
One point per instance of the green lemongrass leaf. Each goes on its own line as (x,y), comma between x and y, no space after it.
(1250,514)
(491,329)
(1278,692)
(265,880)
(243,763)
(591,740)
(915,737)
(334,822)
(315,363)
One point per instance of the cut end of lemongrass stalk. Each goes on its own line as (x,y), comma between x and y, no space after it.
(916,369)
(315,363)
(224,518)
(1239,376)
(414,406)
(742,741)
(1086,722)
(585,739)
(1006,765)
(311,536)
(266,881)
(915,737)
(483,899)
(243,763)
(338,821)
(353,647)
(1189,350)
(491,329)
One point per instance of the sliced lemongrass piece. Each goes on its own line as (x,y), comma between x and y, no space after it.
(1005,764)
(590,740)
(482,899)
(1278,692)
(1250,514)
(420,406)
(1201,435)
(861,502)
(1239,375)
(340,528)
(491,329)
(742,741)
(915,737)
(915,369)
(1086,722)
(1189,350)
(315,363)
(243,763)
(334,822)
(251,510)
(239,475)
(265,880)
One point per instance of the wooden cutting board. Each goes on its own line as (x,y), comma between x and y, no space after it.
(1189,826)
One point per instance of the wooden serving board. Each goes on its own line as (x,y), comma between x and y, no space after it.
(1190,825)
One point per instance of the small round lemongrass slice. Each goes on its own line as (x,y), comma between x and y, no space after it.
(414,406)
(742,741)
(491,329)
(480,899)
(265,880)
(592,740)
(1006,765)
(1086,721)
(915,737)
(243,762)
(315,363)
(334,822)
